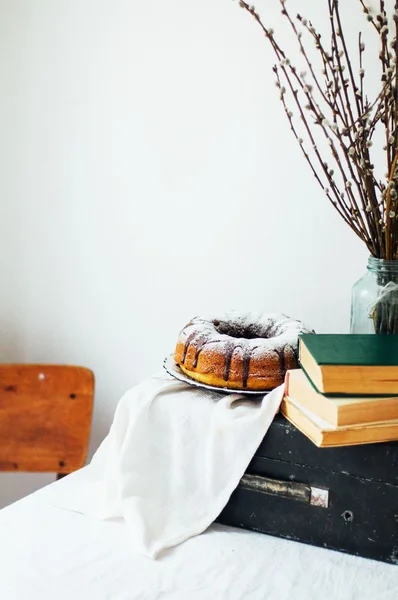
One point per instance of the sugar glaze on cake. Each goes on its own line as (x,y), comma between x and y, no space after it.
(240,351)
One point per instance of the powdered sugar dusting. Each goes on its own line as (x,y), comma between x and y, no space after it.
(263,342)
(261,333)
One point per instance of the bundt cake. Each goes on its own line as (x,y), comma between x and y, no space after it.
(239,351)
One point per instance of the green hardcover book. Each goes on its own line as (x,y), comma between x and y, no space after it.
(350,363)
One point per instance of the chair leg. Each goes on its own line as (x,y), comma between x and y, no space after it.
(61,476)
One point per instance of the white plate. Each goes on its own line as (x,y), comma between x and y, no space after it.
(174,370)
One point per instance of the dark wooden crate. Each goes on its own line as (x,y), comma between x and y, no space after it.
(360,483)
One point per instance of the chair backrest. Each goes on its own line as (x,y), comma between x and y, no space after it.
(45,417)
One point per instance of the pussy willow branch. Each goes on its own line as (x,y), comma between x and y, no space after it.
(290,75)
(332,81)
(334,13)
(366,203)
(341,208)
(366,183)
(325,99)
(368,191)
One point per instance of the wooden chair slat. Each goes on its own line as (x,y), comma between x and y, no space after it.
(45,417)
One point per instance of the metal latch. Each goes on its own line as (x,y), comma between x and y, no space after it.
(301,492)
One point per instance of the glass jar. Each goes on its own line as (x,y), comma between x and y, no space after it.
(374,300)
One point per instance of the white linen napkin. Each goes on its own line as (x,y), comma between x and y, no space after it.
(172,458)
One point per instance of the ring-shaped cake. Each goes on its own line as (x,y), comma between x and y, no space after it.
(239,351)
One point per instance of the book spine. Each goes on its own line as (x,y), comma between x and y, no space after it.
(287,380)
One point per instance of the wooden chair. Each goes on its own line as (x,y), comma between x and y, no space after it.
(45,417)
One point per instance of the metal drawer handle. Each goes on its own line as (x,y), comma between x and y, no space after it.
(286,489)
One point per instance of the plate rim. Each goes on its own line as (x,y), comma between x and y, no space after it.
(181,376)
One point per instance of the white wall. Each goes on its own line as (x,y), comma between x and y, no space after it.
(148,175)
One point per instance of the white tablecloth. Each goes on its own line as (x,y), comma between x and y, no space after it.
(47,553)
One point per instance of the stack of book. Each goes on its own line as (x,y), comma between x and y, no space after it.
(346,391)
